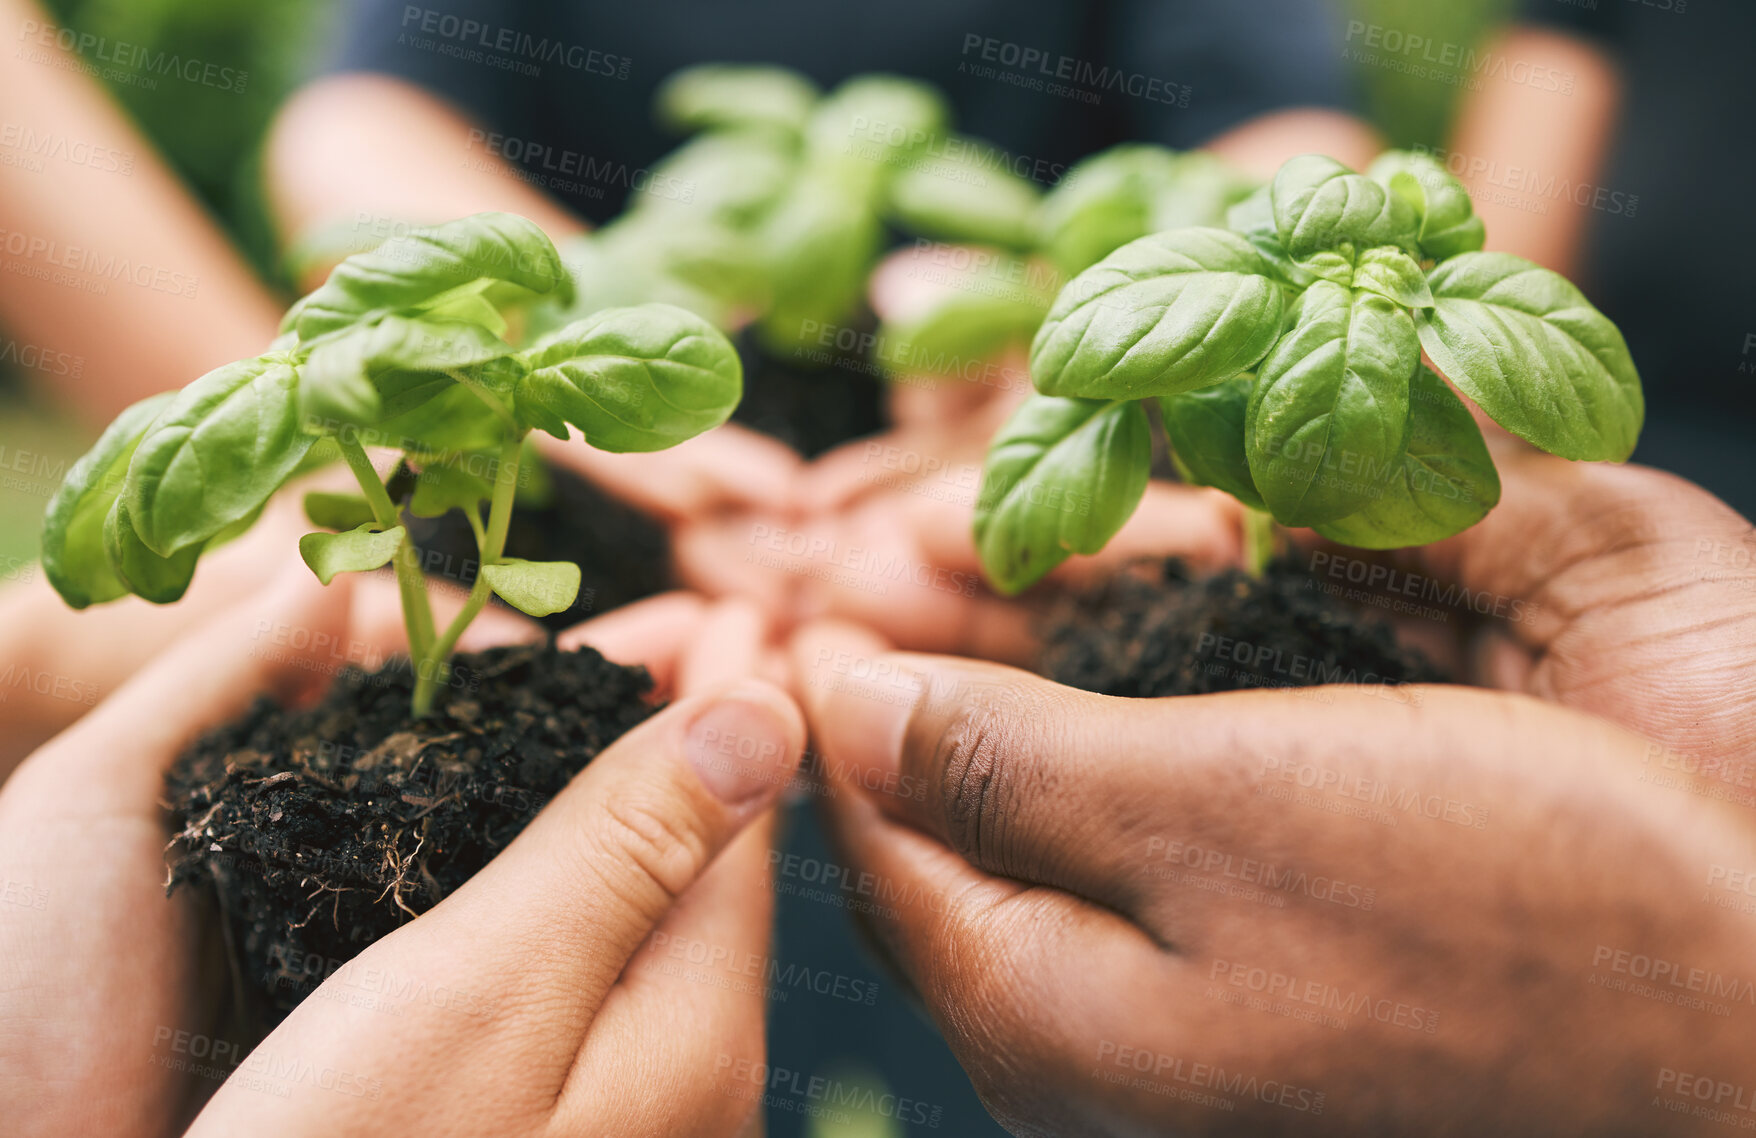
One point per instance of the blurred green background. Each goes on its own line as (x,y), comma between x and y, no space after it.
(215,143)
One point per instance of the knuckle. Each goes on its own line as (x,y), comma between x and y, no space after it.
(983,754)
(648,853)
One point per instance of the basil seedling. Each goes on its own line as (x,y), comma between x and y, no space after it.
(400,347)
(1284,355)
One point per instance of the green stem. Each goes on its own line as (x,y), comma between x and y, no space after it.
(431,666)
(1258,541)
(417,610)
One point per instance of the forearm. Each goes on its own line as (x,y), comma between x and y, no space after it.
(112,244)
(355,154)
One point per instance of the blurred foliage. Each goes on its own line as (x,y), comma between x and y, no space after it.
(212,137)
(1416,109)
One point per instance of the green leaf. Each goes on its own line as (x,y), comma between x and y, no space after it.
(963,331)
(820,245)
(960,195)
(1167,313)
(538,588)
(893,112)
(1319,205)
(1253,219)
(632,379)
(731,177)
(426,263)
(1447,484)
(220,449)
(355,551)
(338,511)
(712,96)
(1206,431)
(1062,476)
(1388,271)
(1448,224)
(1328,418)
(160,580)
(348,377)
(1535,355)
(442,487)
(1103,202)
(73,554)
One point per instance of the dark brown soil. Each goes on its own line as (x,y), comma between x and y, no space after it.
(316,831)
(1154,630)
(823,397)
(622,553)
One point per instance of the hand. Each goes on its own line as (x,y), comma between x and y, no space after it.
(1622,591)
(1345,910)
(107,1020)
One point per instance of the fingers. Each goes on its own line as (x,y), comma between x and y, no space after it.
(729,467)
(651,632)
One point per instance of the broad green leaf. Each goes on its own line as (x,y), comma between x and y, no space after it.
(895,113)
(712,96)
(348,377)
(1167,313)
(1388,271)
(469,308)
(537,588)
(1103,202)
(1448,224)
(679,258)
(1319,204)
(354,551)
(729,176)
(820,245)
(1202,188)
(216,453)
(160,580)
(1447,484)
(407,270)
(967,193)
(1328,418)
(442,486)
(1534,354)
(1206,432)
(1062,476)
(73,554)
(608,277)
(450,421)
(338,511)
(632,379)
(1253,220)
(959,335)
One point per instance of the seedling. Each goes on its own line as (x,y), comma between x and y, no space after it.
(401,347)
(1284,355)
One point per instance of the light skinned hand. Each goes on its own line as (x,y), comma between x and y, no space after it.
(1337,911)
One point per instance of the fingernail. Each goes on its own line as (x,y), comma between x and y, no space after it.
(742,749)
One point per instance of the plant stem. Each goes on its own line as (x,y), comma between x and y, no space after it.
(1258,541)
(417,610)
(431,666)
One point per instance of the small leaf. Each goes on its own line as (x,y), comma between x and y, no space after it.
(1167,313)
(218,452)
(1535,355)
(426,263)
(442,487)
(958,196)
(160,580)
(632,379)
(1206,432)
(74,560)
(1388,271)
(1328,418)
(713,96)
(960,334)
(1129,191)
(1448,480)
(389,367)
(1448,224)
(537,588)
(354,551)
(1062,477)
(1320,204)
(338,511)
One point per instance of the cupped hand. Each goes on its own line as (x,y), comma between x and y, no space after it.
(1343,910)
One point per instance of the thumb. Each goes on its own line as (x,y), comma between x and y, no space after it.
(598,868)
